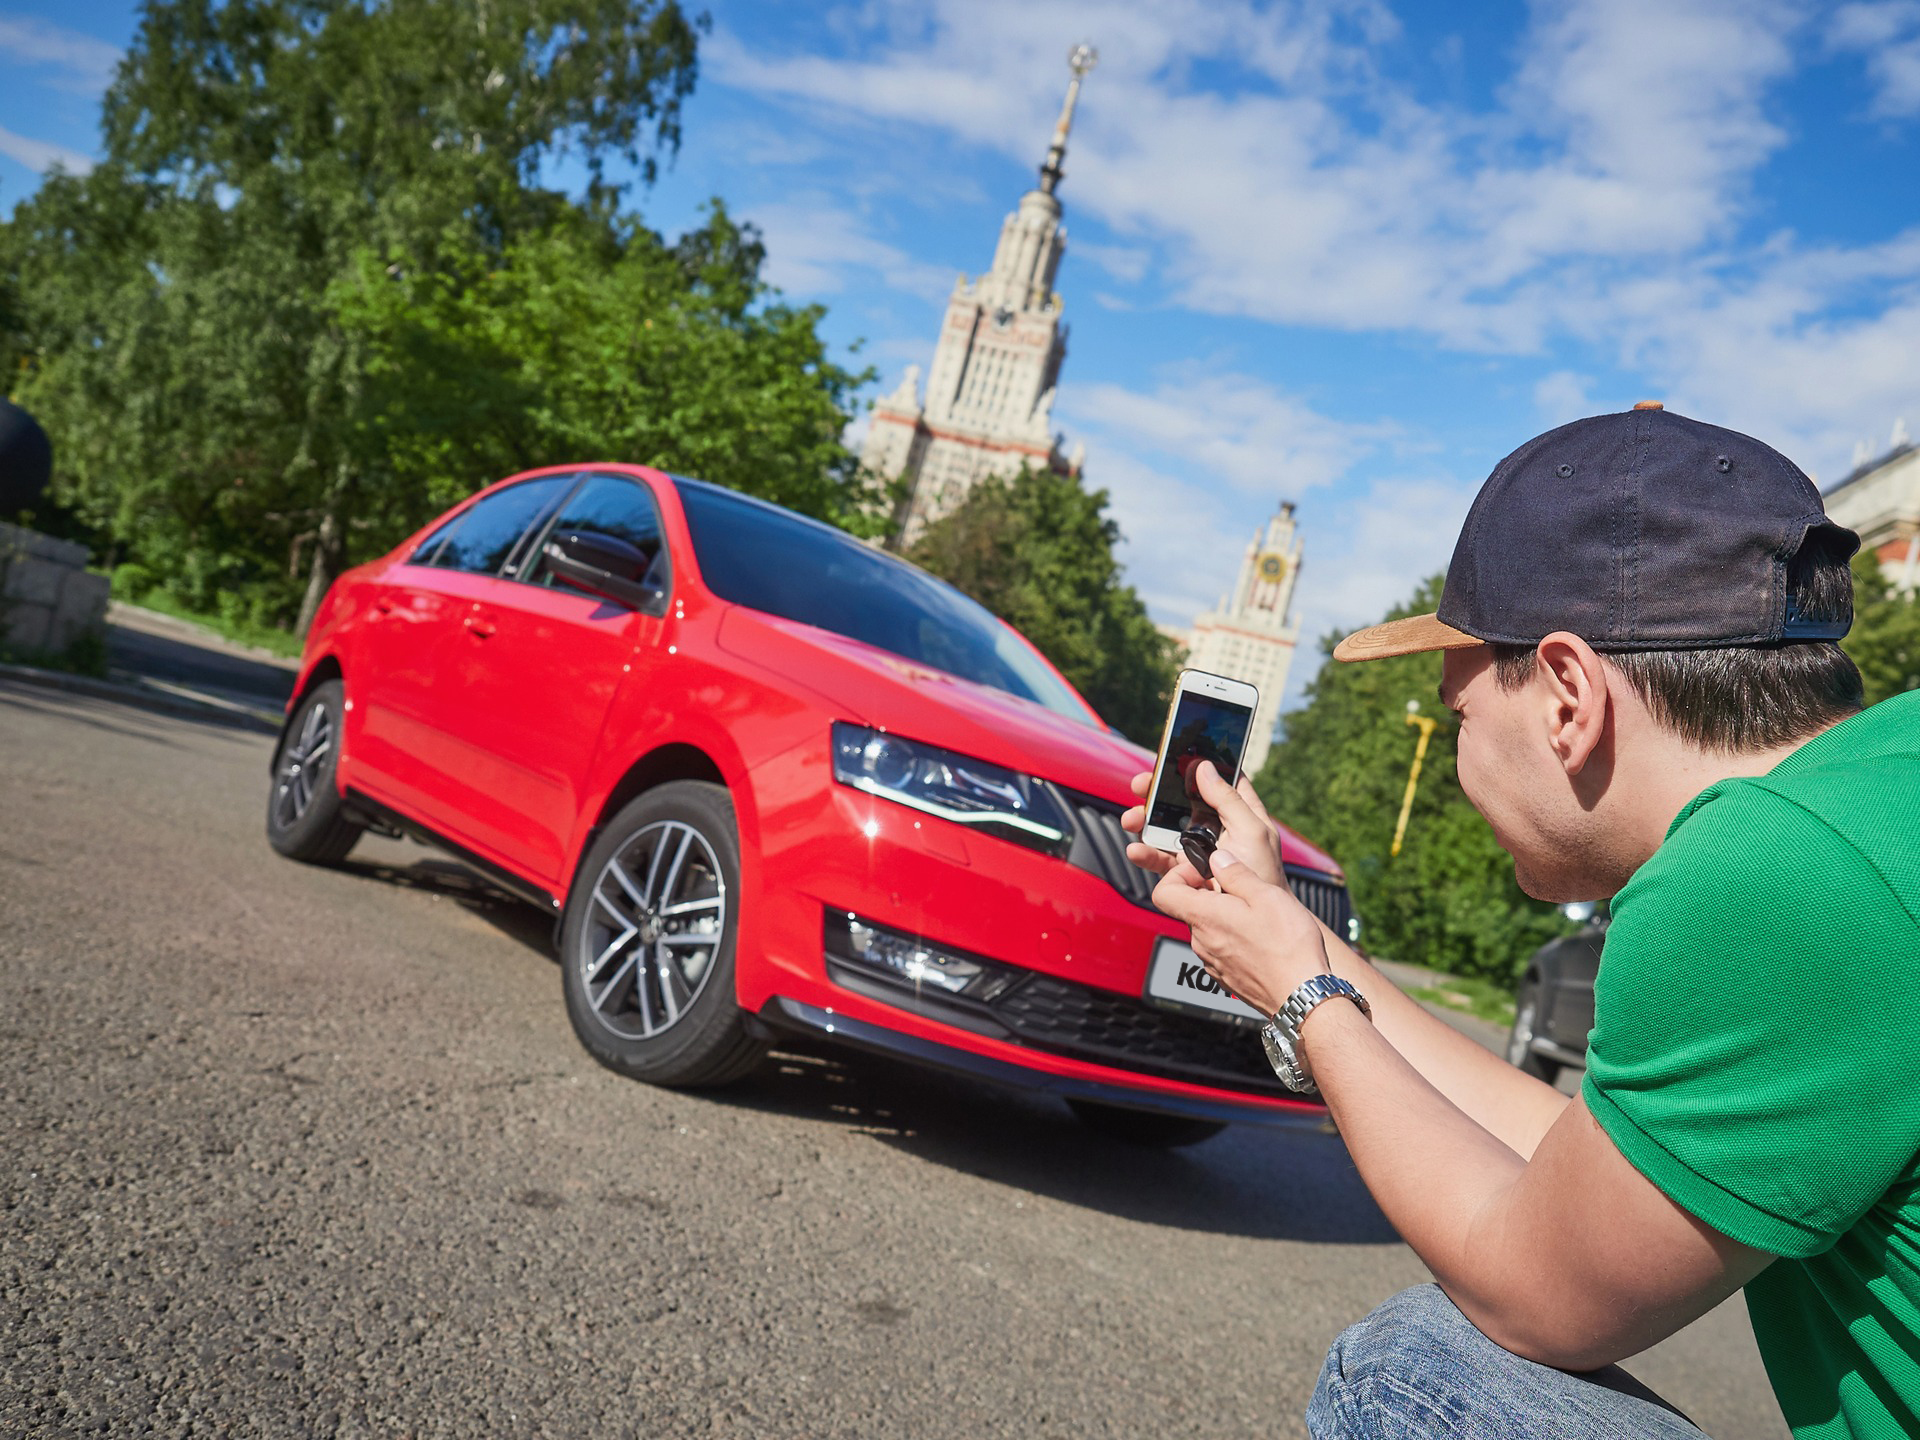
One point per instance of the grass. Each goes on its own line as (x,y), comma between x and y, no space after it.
(241,632)
(1481,998)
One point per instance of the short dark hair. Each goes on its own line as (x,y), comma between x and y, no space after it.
(1752,697)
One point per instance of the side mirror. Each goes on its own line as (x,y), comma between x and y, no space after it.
(607,566)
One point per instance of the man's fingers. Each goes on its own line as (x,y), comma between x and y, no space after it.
(1175,898)
(1135,820)
(1147,857)
(1252,798)
(1141,782)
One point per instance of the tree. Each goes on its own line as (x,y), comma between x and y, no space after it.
(1885,639)
(1037,550)
(185,322)
(1449,899)
(595,339)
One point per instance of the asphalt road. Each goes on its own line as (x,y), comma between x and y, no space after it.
(306,1152)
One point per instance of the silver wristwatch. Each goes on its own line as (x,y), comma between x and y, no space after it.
(1281,1034)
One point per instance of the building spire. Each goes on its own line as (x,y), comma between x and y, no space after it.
(1080,60)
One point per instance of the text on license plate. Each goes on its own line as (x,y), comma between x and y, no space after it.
(1177,976)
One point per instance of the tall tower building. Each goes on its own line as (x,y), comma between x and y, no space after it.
(989,400)
(1251,634)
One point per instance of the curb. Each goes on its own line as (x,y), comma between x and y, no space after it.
(156,695)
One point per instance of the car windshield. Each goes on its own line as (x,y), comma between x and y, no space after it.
(773,560)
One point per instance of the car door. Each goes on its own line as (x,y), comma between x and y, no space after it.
(394,685)
(530,674)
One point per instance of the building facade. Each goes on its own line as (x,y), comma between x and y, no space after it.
(1880,501)
(1251,634)
(988,407)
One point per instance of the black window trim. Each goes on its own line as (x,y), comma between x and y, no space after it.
(662,563)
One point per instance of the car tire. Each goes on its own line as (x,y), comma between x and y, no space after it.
(1147,1128)
(647,944)
(306,817)
(1528,1008)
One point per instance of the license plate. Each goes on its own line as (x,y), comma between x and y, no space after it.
(1176,977)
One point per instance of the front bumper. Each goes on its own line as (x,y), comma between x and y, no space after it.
(797,1017)
(1078,1020)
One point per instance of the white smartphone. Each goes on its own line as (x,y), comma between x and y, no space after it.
(1208,720)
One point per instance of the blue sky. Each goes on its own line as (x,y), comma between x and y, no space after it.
(1337,251)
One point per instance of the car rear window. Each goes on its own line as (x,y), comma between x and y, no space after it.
(773,560)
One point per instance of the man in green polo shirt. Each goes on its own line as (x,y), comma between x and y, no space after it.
(1639,625)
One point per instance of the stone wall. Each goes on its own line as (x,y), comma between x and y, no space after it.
(48,600)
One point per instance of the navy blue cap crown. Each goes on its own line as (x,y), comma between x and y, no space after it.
(1639,531)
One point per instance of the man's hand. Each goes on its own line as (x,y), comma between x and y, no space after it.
(1245,827)
(1253,936)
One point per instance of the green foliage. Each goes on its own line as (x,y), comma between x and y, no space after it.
(1484,999)
(593,339)
(1448,900)
(1037,550)
(1885,639)
(314,292)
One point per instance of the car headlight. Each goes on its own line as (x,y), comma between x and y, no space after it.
(968,792)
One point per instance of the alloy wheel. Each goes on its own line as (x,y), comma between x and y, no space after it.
(300,763)
(654,929)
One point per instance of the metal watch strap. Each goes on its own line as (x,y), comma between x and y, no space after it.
(1282,1033)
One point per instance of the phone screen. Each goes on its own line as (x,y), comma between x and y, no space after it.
(1203,728)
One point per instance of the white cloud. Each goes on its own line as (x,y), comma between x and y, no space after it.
(41,156)
(816,248)
(1125,263)
(84,65)
(1603,199)
(1402,531)
(1324,197)
(1562,396)
(1887,32)
(1226,428)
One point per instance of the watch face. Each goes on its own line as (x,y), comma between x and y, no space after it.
(1272,565)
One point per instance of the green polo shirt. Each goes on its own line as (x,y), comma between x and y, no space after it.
(1756,1054)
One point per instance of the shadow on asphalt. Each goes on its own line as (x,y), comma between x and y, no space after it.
(1251,1181)
(185,663)
(435,875)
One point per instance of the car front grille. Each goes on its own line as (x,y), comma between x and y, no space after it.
(1100,846)
(1098,1025)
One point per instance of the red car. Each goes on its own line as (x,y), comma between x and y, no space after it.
(769,780)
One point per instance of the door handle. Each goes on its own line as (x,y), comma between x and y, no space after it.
(479,626)
(383,605)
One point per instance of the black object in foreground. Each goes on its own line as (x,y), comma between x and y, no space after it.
(1199,841)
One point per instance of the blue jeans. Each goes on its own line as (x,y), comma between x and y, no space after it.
(1417,1369)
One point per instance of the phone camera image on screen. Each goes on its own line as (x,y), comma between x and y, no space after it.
(1203,729)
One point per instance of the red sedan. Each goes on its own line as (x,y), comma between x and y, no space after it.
(769,780)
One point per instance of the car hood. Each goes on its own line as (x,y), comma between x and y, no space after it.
(878,688)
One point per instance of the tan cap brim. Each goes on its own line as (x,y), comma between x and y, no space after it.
(1411,636)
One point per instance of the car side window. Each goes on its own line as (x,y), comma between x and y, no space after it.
(610,505)
(481,539)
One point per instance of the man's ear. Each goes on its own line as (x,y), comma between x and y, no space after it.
(1574,683)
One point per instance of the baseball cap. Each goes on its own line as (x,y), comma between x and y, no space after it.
(1639,531)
